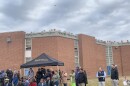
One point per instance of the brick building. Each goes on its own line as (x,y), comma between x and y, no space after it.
(74,50)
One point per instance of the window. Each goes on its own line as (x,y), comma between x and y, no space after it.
(28,43)
(26,71)
(75,42)
(109,55)
(76,60)
(28,47)
(76,53)
(75,49)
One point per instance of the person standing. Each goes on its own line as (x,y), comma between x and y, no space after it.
(114,75)
(72,75)
(42,83)
(49,82)
(10,76)
(86,81)
(101,75)
(15,79)
(64,78)
(81,78)
(6,80)
(19,75)
(26,82)
(38,75)
(55,78)
(30,74)
(2,76)
(76,75)
(43,70)
(60,74)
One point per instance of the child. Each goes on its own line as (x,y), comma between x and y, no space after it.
(125,82)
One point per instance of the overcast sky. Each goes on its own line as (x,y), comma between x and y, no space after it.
(103,19)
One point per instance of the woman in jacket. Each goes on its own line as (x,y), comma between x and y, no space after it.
(64,78)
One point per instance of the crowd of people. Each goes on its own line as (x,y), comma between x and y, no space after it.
(49,77)
(8,77)
(43,77)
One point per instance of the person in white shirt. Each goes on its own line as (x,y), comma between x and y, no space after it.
(30,74)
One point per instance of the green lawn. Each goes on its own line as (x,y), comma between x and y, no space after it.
(94,82)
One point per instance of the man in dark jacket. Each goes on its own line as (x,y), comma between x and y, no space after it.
(43,70)
(76,75)
(81,78)
(10,76)
(38,75)
(86,81)
(114,75)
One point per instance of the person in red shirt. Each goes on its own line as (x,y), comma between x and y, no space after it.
(33,83)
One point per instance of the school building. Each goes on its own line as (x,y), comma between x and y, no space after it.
(74,50)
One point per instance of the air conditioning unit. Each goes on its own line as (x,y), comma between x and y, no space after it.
(8,40)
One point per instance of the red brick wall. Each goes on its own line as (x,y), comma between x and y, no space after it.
(117,58)
(12,54)
(121,57)
(87,52)
(92,56)
(125,59)
(80,44)
(56,47)
(66,53)
(101,56)
(46,45)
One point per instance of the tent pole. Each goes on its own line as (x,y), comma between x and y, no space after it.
(20,73)
(58,73)
(58,68)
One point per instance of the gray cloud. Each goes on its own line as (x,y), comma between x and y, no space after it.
(17,10)
(104,19)
(60,9)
